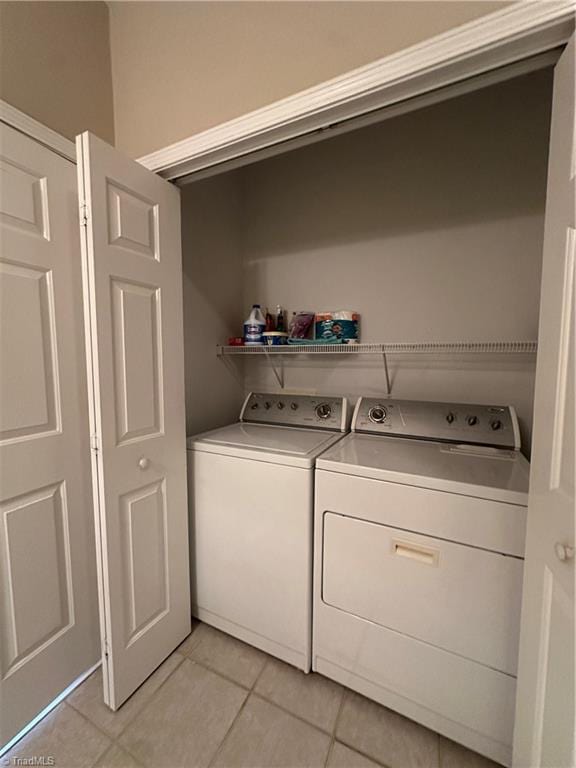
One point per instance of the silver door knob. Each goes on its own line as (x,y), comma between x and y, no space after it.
(143,463)
(563,552)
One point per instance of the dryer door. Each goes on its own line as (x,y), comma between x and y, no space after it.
(456,597)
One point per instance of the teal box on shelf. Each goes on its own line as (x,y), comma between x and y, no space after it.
(342,325)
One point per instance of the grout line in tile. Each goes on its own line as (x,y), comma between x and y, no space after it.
(216,671)
(360,752)
(347,692)
(363,754)
(219,747)
(329,754)
(138,762)
(193,642)
(288,712)
(108,748)
(94,725)
(144,703)
(335,726)
(340,708)
(152,695)
(259,675)
(315,727)
(252,690)
(127,749)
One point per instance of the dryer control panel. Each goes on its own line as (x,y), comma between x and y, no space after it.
(490,425)
(287,410)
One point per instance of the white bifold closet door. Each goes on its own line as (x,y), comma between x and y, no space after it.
(133,282)
(545,732)
(48,601)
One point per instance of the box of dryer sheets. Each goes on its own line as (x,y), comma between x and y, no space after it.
(338,325)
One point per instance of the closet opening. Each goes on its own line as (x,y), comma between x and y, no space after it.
(429,224)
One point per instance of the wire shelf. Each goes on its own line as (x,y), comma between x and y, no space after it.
(396,348)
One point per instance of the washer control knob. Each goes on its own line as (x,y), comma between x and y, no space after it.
(472,421)
(323,411)
(563,551)
(377,414)
(280,406)
(450,418)
(254,406)
(496,424)
(267,405)
(294,406)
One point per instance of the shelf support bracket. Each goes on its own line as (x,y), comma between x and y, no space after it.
(277,369)
(386,373)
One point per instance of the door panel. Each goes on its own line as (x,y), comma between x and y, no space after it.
(137,359)
(28,377)
(545,707)
(133,276)
(145,557)
(24,199)
(48,609)
(132,222)
(36,524)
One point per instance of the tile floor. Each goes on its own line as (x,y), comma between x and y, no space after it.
(218,702)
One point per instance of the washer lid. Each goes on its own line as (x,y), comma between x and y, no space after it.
(262,442)
(489,473)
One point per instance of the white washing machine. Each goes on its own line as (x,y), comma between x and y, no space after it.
(251,493)
(419,542)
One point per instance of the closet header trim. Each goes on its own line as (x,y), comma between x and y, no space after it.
(496,40)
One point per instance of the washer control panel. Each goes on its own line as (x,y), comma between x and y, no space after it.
(297,411)
(492,425)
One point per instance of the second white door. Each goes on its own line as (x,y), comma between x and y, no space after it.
(133,278)
(48,604)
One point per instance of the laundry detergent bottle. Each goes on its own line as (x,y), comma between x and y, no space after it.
(254,327)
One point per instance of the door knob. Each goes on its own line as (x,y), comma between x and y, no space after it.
(563,552)
(143,463)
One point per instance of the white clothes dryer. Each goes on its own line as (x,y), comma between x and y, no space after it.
(251,496)
(419,542)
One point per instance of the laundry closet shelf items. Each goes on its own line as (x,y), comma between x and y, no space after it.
(382,349)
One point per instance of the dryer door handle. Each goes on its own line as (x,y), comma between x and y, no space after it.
(413,551)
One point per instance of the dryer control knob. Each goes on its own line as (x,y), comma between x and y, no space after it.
(267,405)
(294,406)
(496,424)
(450,418)
(280,406)
(472,421)
(254,406)
(377,414)
(323,411)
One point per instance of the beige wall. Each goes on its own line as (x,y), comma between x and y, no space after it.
(430,225)
(213,307)
(182,67)
(55,64)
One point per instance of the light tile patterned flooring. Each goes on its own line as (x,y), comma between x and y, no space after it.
(218,702)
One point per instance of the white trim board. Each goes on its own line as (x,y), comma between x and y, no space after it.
(15,118)
(517,32)
(524,67)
